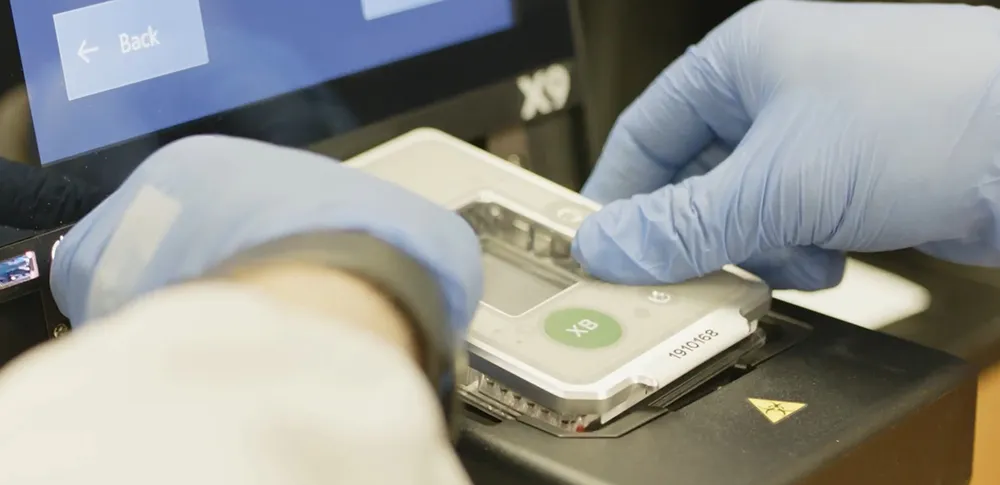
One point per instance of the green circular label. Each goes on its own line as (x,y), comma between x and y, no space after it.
(582,328)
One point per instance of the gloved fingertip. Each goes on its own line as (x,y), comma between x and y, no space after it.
(600,256)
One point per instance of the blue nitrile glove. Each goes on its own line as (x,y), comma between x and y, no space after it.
(199,201)
(798,130)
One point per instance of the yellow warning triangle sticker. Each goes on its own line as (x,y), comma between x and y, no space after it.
(776,411)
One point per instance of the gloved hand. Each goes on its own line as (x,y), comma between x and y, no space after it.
(199,201)
(798,130)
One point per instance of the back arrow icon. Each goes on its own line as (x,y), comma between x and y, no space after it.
(85,51)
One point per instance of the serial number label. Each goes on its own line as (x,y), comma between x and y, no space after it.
(692,346)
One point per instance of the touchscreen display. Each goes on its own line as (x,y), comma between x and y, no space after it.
(100,73)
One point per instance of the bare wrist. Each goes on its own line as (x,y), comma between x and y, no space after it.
(357,277)
(333,294)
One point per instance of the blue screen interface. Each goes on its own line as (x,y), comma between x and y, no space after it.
(101,73)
